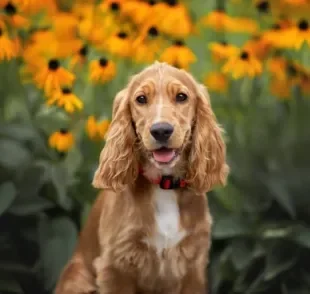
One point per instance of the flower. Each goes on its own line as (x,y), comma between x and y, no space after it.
(172,18)
(52,76)
(222,51)
(66,99)
(96,130)
(300,34)
(258,46)
(102,70)
(138,11)
(279,36)
(61,140)
(280,88)
(217,82)
(8,48)
(119,44)
(243,64)
(11,15)
(277,67)
(178,55)
(242,24)
(79,58)
(217,20)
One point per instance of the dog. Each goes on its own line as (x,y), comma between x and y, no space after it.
(149,229)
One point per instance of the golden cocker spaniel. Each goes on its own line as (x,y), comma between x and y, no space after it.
(149,229)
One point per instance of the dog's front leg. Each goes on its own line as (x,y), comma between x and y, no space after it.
(130,260)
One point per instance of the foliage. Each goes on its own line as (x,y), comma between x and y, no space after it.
(61,64)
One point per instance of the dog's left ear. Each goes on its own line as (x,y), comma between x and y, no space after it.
(118,163)
(207,160)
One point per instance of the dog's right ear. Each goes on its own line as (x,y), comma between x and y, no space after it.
(118,163)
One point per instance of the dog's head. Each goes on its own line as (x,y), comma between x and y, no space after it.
(163,118)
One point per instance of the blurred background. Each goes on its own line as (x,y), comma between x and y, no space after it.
(61,64)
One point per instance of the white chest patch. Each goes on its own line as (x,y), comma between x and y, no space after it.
(167,218)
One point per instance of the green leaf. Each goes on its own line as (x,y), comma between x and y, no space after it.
(13,155)
(7,196)
(9,284)
(57,242)
(242,253)
(280,258)
(302,237)
(231,226)
(19,132)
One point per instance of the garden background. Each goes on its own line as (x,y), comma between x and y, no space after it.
(61,64)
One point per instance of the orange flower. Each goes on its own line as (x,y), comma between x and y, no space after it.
(217,20)
(217,82)
(96,130)
(120,44)
(52,77)
(280,88)
(8,48)
(102,70)
(299,34)
(222,51)
(178,55)
(243,64)
(277,66)
(61,140)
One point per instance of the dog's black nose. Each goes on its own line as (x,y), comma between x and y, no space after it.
(161,131)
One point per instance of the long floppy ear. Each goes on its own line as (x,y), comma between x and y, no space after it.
(207,159)
(118,163)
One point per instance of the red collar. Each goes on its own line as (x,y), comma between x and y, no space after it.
(167,182)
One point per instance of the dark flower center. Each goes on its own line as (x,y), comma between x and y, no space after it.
(263,6)
(1,32)
(153,32)
(103,62)
(292,70)
(224,43)
(303,25)
(63,131)
(276,27)
(244,55)
(66,91)
(53,64)
(171,2)
(83,51)
(114,6)
(10,9)
(178,43)
(176,65)
(122,35)
(151,2)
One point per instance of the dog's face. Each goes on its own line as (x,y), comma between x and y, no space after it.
(161,113)
(162,104)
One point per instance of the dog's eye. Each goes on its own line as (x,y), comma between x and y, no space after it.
(141,99)
(181,97)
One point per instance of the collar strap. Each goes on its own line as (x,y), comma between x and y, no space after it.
(167,182)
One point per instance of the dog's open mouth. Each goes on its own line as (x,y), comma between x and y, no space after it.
(164,155)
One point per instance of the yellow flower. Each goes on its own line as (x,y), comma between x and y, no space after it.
(8,48)
(305,85)
(217,82)
(277,66)
(242,24)
(258,46)
(280,88)
(222,51)
(61,140)
(119,44)
(138,11)
(172,18)
(178,55)
(102,70)
(243,64)
(299,34)
(96,130)
(217,20)
(11,15)
(79,58)
(52,77)
(66,99)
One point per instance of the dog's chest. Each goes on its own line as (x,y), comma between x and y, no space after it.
(167,218)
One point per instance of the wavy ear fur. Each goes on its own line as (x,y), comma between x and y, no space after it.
(118,163)
(207,159)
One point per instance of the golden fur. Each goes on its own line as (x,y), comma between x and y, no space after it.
(112,256)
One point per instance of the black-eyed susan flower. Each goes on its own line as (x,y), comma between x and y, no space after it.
(102,70)
(300,34)
(217,20)
(258,46)
(280,88)
(217,82)
(8,48)
(11,15)
(242,65)
(52,77)
(221,51)
(277,67)
(172,18)
(263,6)
(61,140)
(119,44)
(279,35)
(66,99)
(139,12)
(242,25)
(79,58)
(178,55)
(96,130)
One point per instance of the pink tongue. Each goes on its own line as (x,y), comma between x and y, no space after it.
(163,155)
